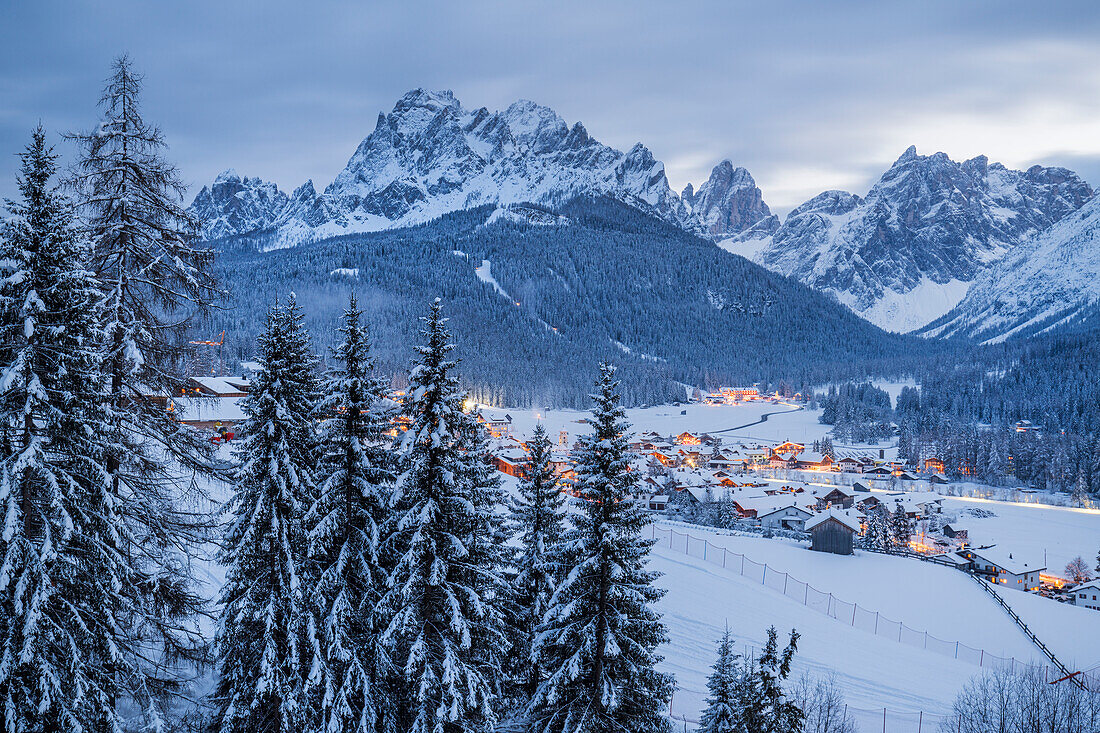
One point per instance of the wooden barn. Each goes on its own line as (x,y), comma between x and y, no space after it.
(833,532)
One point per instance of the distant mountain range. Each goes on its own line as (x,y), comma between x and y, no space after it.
(901,257)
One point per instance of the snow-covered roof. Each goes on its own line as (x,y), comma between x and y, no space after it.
(790,505)
(1090,585)
(223,385)
(1006,560)
(844,518)
(207,409)
(953,558)
(764,505)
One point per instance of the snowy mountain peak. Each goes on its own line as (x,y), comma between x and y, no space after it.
(729,202)
(1046,281)
(905,255)
(429,155)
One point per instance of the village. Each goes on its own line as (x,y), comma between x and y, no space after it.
(824,495)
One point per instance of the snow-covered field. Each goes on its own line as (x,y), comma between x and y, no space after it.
(872,670)
(785,422)
(1049,535)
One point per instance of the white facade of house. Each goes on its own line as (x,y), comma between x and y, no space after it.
(788,517)
(1087,595)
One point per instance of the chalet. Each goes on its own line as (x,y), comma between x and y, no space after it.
(218,386)
(1087,595)
(905,476)
(1002,569)
(848,464)
(787,448)
(836,497)
(498,427)
(666,457)
(955,532)
(933,465)
(686,438)
(755,507)
(815,461)
(787,517)
(832,531)
(938,478)
(690,455)
(758,456)
(783,461)
(658,502)
(877,471)
(510,461)
(868,503)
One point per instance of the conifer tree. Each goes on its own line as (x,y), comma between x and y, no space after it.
(539,521)
(434,608)
(722,714)
(777,714)
(57,577)
(878,530)
(488,554)
(900,531)
(152,280)
(355,477)
(599,638)
(268,651)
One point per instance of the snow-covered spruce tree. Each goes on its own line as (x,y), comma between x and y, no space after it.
(434,608)
(268,650)
(777,713)
(355,476)
(58,579)
(599,636)
(152,281)
(723,711)
(900,531)
(538,519)
(488,554)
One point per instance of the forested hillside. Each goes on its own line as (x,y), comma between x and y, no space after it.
(559,295)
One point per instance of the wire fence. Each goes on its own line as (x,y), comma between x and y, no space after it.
(867,720)
(851,614)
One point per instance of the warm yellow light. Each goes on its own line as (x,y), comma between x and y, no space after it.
(467,405)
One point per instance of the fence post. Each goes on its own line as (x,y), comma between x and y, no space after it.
(806,595)
(956,650)
(884,720)
(786,577)
(723,557)
(925,639)
(981,659)
(920,721)
(901,627)
(854,607)
(742,564)
(764,575)
(876,634)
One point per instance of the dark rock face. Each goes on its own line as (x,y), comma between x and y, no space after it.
(729,202)
(232,205)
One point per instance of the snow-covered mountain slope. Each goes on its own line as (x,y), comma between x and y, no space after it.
(430,156)
(905,255)
(1044,282)
(729,202)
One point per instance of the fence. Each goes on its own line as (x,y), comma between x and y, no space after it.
(845,612)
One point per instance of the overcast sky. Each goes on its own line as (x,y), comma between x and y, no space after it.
(807,96)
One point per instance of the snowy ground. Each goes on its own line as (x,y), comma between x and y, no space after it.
(1048,535)
(785,422)
(873,671)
